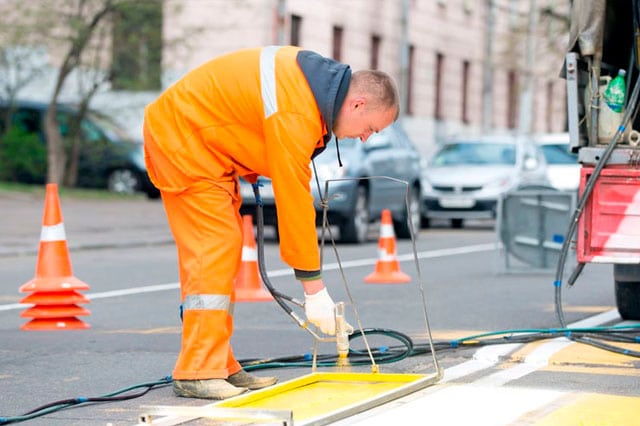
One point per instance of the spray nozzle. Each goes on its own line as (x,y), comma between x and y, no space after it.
(343,330)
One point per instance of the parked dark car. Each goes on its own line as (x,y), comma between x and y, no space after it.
(361,188)
(108,158)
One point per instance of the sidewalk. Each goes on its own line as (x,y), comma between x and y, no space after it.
(89,223)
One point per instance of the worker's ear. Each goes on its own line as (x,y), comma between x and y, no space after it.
(358,103)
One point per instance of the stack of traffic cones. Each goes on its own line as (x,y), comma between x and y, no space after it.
(387,267)
(248,285)
(54,287)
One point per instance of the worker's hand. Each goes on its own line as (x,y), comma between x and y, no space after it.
(320,311)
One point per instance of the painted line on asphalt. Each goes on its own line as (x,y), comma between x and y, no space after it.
(485,401)
(539,358)
(430,254)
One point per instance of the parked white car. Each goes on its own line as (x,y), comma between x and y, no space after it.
(466,177)
(563,169)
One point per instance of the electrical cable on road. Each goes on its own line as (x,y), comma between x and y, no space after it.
(359,357)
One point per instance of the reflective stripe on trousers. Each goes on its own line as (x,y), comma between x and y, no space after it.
(207,301)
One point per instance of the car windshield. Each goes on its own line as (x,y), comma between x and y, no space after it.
(559,154)
(463,153)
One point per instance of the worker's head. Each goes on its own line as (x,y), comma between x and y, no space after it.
(371,104)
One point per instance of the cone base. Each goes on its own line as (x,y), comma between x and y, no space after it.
(54,311)
(53,284)
(54,298)
(387,278)
(65,323)
(253,295)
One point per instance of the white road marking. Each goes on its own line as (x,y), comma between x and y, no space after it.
(486,401)
(285,271)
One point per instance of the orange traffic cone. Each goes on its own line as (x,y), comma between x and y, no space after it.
(387,267)
(248,285)
(54,286)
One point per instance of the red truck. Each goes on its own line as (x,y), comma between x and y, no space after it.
(604,38)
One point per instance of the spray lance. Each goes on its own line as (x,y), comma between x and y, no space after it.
(343,329)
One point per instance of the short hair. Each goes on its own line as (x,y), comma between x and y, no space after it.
(379,85)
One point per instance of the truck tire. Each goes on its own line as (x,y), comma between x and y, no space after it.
(627,290)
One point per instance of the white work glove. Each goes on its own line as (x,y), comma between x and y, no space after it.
(320,311)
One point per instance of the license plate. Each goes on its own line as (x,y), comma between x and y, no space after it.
(456,202)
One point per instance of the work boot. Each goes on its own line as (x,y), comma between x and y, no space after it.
(246,380)
(206,389)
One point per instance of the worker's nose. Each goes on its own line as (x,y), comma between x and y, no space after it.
(364,136)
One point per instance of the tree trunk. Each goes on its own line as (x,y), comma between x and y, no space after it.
(55,147)
(71,175)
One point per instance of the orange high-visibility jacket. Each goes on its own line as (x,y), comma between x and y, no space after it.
(264,111)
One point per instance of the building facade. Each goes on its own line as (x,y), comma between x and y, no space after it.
(462,66)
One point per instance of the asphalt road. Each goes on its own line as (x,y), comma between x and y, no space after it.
(123,250)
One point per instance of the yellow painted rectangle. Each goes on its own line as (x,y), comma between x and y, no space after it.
(319,394)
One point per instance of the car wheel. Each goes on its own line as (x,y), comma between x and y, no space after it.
(457,223)
(425,222)
(123,181)
(355,229)
(403,230)
(153,193)
(627,290)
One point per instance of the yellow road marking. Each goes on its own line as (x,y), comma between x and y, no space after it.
(580,353)
(591,369)
(595,410)
(585,309)
(448,334)
(583,358)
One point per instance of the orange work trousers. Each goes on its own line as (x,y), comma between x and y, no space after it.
(207,227)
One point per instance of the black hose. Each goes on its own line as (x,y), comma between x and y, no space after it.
(278,297)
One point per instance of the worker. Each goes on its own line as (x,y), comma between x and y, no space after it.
(264,111)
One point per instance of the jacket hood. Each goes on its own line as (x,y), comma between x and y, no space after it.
(329,82)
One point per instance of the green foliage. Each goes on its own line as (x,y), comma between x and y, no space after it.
(23,157)
(137,45)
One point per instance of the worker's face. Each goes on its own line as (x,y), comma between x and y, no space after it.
(355,120)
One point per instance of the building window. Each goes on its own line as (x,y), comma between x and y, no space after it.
(466,73)
(337,42)
(137,46)
(512,100)
(296,28)
(438,113)
(375,52)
